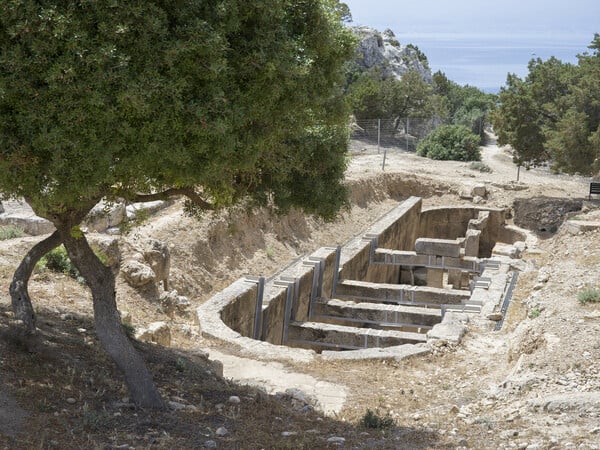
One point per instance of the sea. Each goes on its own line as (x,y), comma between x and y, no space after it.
(484,61)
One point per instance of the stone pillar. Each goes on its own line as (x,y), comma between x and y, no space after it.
(472,243)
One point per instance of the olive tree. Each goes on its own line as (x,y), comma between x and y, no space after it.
(216,100)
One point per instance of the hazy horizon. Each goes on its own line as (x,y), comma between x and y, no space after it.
(479,44)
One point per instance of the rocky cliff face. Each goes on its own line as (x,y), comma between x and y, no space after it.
(382,51)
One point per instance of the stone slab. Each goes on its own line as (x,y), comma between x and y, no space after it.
(438,247)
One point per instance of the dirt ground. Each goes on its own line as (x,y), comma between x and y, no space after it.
(533,385)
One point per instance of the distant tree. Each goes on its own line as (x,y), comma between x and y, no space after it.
(450,142)
(373,97)
(517,122)
(554,113)
(219,101)
(467,105)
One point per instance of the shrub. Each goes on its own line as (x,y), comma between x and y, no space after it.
(57,260)
(451,142)
(374,420)
(589,295)
(480,167)
(10,232)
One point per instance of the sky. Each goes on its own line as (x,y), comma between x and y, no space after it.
(480,42)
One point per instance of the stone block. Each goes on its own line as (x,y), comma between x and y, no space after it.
(438,247)
(435,278)
(472,243)
(479,191)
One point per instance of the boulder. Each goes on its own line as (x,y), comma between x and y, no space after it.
(158,257)
(137,274)
(479,191)
(157,332)
(145,262)
(105,215)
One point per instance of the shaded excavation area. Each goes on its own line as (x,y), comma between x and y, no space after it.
(415,275)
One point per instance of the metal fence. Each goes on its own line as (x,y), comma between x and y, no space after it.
(377,135)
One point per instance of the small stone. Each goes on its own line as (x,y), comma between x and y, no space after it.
(234,399)
(222,431)
(454,409)
(209,444)
(71,401)
(176,406)
(289,433)
(336,440)
(417,416)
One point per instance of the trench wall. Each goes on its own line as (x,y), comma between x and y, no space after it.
(397,230)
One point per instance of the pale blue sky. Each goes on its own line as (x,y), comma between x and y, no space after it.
(479,42)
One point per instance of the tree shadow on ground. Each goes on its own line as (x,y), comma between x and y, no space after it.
(72,396)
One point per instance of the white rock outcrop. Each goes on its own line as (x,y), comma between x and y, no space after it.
(382,51)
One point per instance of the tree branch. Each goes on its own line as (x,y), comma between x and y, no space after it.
(164,195)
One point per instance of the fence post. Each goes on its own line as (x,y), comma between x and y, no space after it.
(406,134)
(378,134)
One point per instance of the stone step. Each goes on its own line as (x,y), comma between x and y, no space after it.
(320,336)
(401,294)
(405,318)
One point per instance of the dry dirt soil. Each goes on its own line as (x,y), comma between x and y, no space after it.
(535,384)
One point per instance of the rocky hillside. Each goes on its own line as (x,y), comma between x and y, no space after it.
(382,51)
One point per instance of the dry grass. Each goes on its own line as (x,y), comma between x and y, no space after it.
(73,397)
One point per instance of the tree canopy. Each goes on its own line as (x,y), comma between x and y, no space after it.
(219,100)
(554,113)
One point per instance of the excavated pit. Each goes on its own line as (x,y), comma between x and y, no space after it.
(411,277)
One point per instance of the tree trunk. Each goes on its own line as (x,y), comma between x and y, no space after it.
(108,322)
(19,294)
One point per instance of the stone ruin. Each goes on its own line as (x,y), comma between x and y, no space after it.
(416,276)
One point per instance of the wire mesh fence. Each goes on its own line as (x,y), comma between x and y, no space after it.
(376,135)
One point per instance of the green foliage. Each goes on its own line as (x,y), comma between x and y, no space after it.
(589,295)
(535,312)
(57,260)
(372,419)
(102,99)
(10,232)
(419,54)
(450,142)
(466,105)
(554,113)
(129,329)
(372,96)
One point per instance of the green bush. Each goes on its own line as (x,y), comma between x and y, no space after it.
(589,295)
(374,420)
(451,142)
(10,232)
(57,260)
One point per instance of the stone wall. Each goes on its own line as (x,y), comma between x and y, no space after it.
(452,223)
(398,230)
